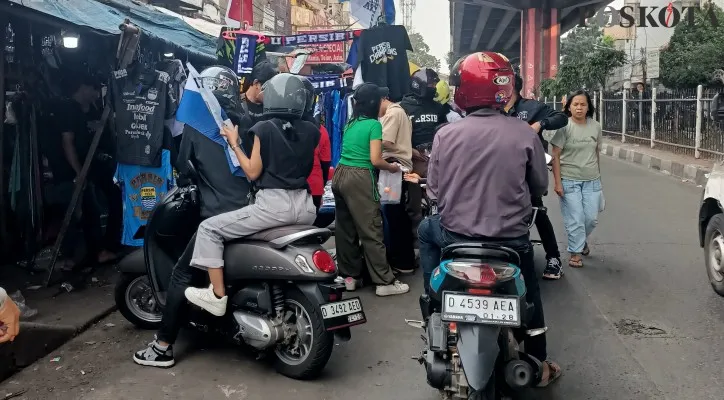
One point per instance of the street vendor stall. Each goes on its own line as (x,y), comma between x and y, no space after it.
(50,43)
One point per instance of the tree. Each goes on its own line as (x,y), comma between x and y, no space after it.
(587,59)
(421,56)
(451,59)
(694,51)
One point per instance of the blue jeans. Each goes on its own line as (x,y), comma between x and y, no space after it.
(433,238)
(580,206)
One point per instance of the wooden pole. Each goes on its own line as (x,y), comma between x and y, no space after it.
(4,242)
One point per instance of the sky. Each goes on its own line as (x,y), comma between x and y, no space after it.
(426,19)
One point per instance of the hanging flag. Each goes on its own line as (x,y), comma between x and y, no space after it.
(195,111)
(233,12)
(368,12)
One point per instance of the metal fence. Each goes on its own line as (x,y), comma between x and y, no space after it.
(673,120)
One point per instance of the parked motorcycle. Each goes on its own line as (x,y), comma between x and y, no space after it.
(473,319)
(283,300)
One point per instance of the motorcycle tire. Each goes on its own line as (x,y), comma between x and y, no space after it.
(322,342)
(486,394)
(129,311)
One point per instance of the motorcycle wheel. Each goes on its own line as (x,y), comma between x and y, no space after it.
(135,301)
(486,394)
(305,356)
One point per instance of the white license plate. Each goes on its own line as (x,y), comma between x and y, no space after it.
(488,310)
(341,308)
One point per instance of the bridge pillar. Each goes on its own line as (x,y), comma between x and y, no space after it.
(540,47)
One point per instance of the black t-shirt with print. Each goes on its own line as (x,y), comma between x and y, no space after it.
(142,101)
(287,156)
(384,58)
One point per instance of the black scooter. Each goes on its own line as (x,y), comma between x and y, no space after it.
(283,300)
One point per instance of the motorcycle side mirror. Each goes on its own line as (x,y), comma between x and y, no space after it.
(717,108)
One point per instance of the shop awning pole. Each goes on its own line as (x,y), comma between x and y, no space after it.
(130,37)
(4,243)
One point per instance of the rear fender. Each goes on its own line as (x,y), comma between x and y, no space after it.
(478,349)
(134,263)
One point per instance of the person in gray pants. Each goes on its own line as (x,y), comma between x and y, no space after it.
(281,159)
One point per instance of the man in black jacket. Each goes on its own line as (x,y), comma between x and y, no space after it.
(540,117)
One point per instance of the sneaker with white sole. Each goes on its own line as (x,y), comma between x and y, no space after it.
(393,289)
(553,270)
(206,299)
(155,355)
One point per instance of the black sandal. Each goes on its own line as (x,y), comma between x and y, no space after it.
(554,372)
(586,250)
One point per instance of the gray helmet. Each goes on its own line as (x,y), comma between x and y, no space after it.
(310,95)
(285,96)
(224,83)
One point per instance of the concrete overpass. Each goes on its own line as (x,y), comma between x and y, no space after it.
(526,31)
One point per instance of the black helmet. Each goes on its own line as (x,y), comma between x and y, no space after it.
(224,83)
(285,96)
(424,83)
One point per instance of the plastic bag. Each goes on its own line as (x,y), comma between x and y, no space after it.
(25,311)
(390,187)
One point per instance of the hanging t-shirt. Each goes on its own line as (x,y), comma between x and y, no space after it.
(142,102)
(142,188)
(175,70)
(384,58)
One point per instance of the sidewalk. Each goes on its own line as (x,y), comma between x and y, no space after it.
(60,315)
(680,166)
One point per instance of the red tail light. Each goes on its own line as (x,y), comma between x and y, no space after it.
(480,275)
(324,262)
(480,291)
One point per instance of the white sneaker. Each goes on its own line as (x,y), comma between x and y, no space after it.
(395,288)
(206,299)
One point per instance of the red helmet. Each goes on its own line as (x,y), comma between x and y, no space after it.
(484,79)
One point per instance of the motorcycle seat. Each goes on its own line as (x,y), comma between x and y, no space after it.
(268,235)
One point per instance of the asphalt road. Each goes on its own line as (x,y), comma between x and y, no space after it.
(638,322)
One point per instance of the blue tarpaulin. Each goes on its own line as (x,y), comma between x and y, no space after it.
(108,15)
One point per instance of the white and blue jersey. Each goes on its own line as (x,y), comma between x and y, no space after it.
(142,188)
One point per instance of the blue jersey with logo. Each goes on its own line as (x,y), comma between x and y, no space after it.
(142,188)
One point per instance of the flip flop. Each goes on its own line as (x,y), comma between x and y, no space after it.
(575,263)
(554,372)
(586,250)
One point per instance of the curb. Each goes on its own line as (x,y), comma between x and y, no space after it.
(38,340)
(689,172)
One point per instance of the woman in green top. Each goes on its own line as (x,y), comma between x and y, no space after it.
(577,173)
(358,218)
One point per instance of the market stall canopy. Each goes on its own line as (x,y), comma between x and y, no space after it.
(106,15)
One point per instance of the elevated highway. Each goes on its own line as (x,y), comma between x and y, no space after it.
(528,32)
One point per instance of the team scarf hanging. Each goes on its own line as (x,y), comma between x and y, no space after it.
(245,54)
(326,82)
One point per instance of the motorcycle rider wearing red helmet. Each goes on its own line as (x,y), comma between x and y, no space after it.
(483,171)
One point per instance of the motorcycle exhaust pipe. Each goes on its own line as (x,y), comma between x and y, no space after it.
(518,374)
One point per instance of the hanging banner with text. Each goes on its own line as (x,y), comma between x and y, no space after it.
(304,39)
(325,53)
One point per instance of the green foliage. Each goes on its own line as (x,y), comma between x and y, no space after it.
(451,59)
(587,59)
(421,56)
(694,51)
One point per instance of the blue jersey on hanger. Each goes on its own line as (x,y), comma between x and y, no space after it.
(142,188)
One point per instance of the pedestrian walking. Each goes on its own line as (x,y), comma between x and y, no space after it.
(577,173)
(358,219)
(397,148)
